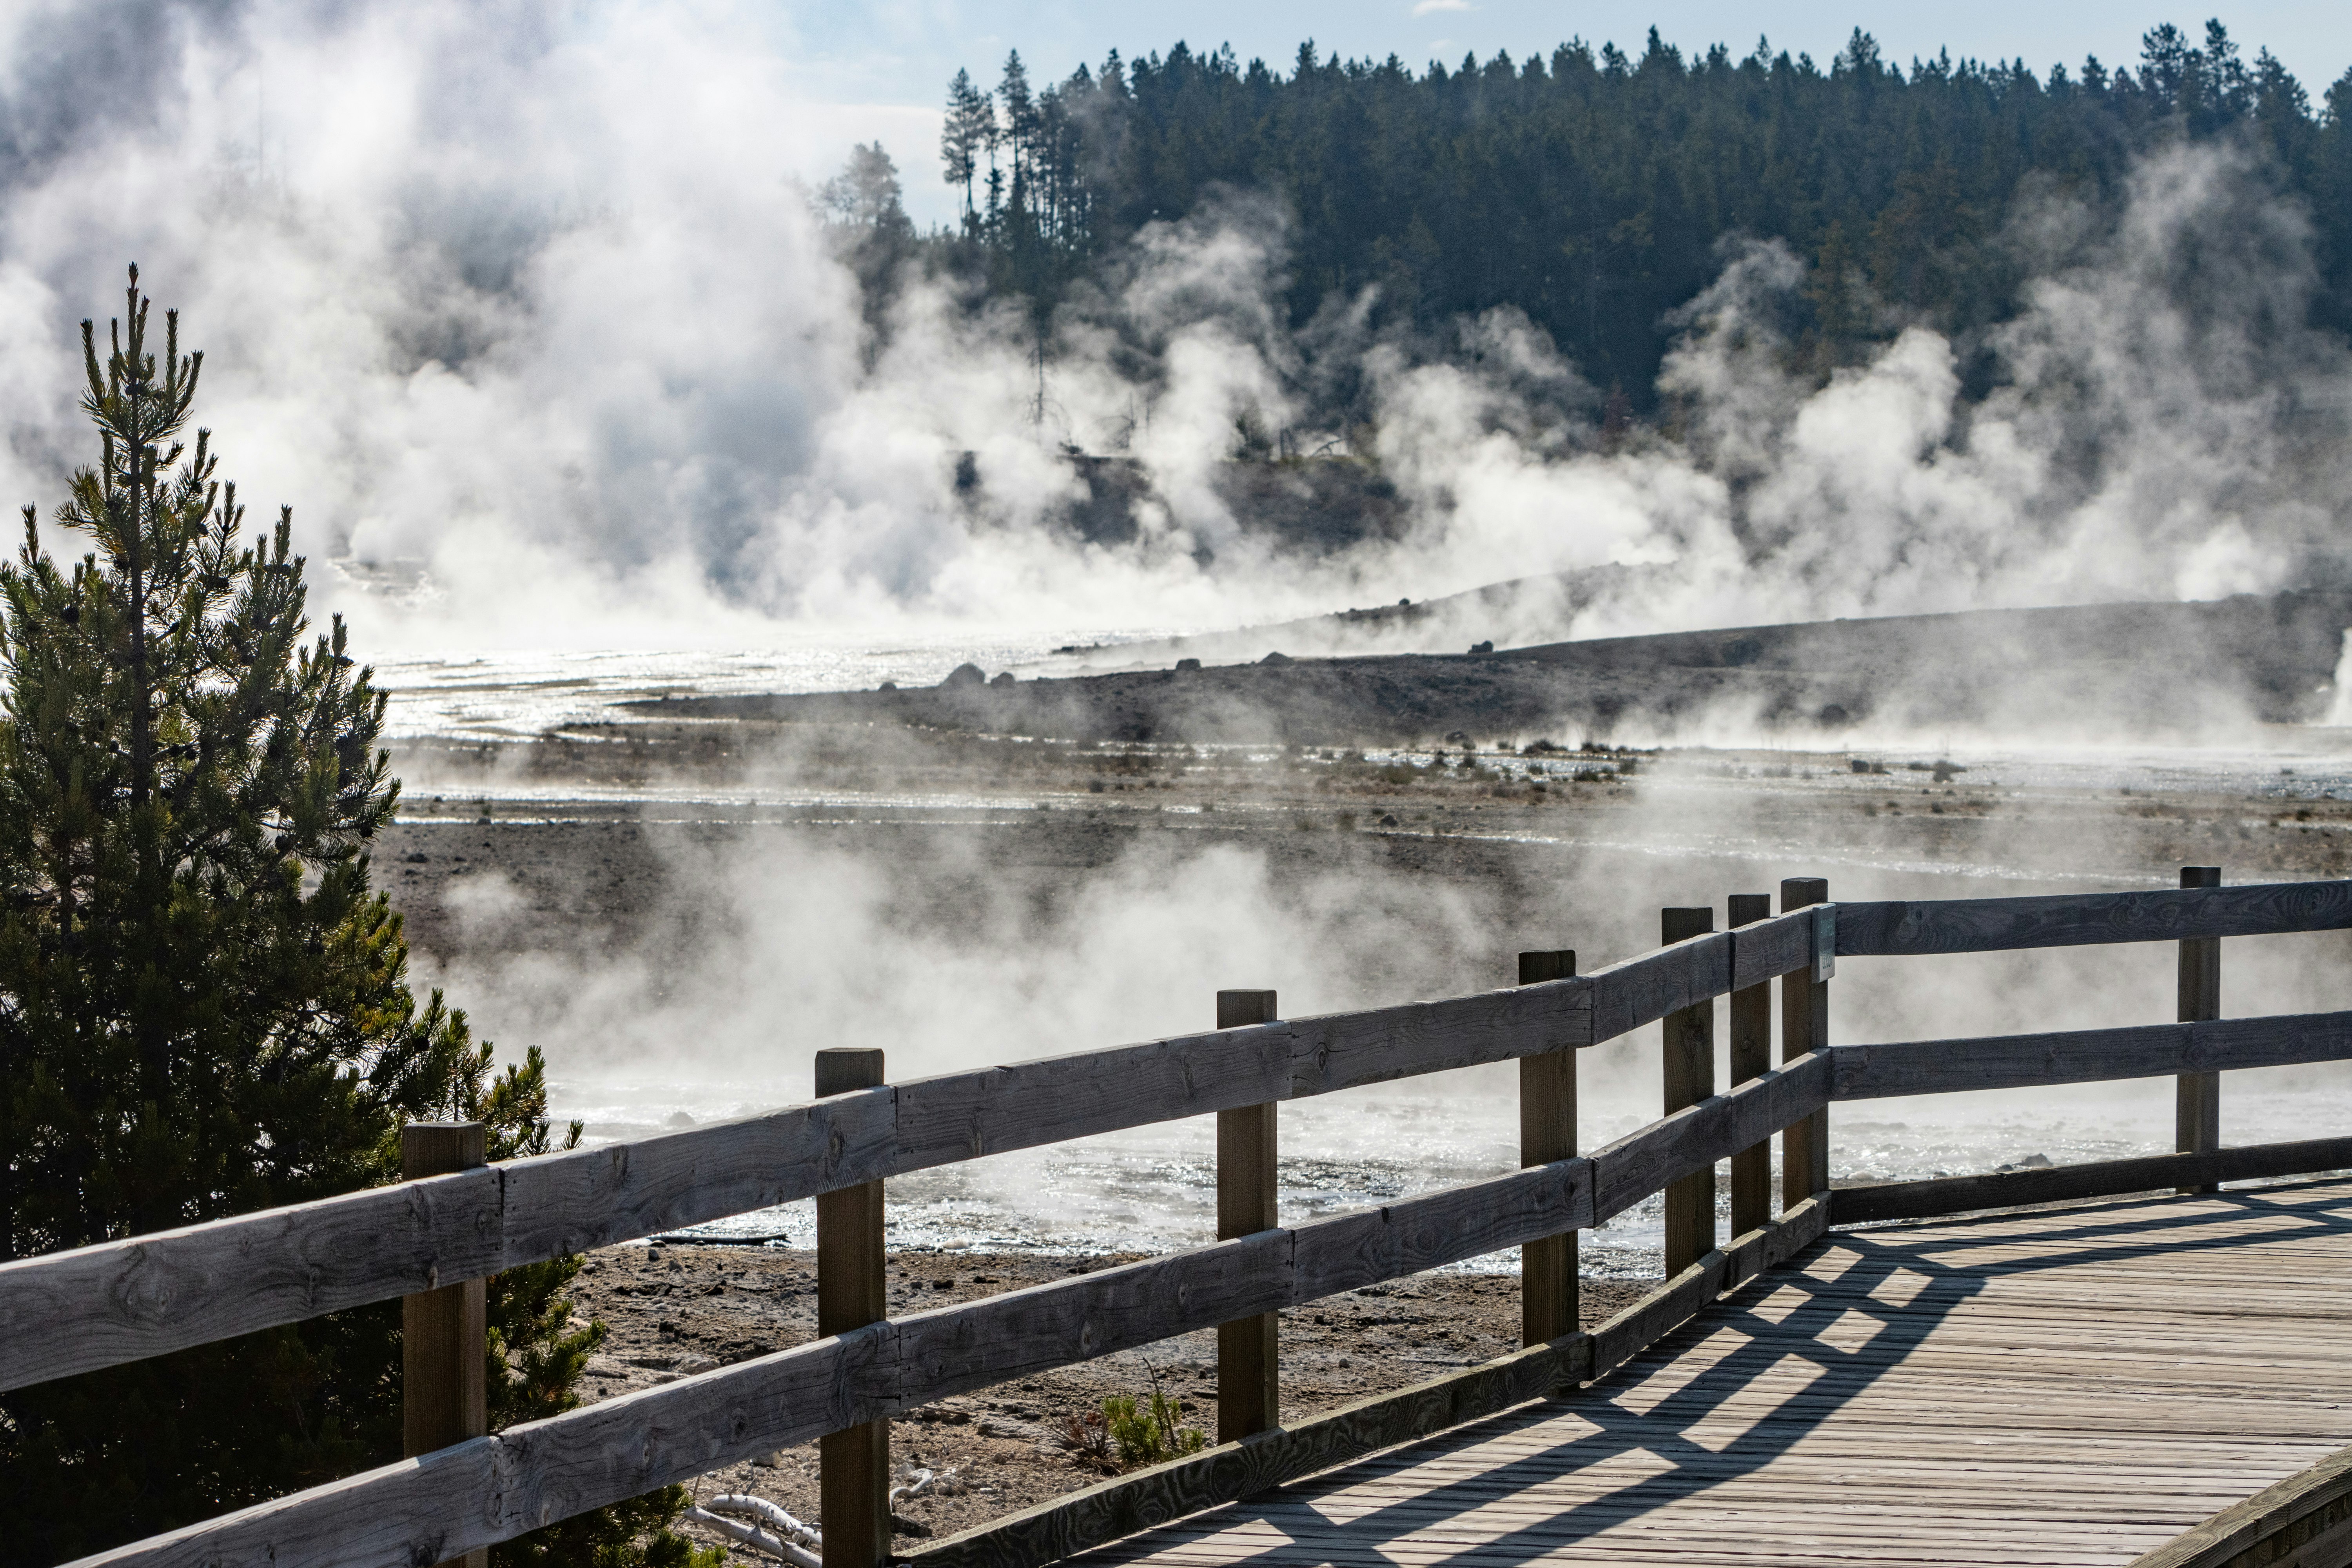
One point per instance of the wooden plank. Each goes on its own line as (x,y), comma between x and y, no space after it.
(954,1350)
(1064,1525)
(2321,1539)
(852,1293)
(2268,1528)
(2197,1096)
(2086,1055)
(1751,1013)
(499,1487)
(1863,1202)
(566,1465)
(1625,996)
(77,1311)
(961,1116)
(1347,1050)
(445,1332)
(99,1306)
(424,1509)
(1346,1251)
(1123,1506)
(1548,1266)
(1770,946)
(1642,1162)
(71,1312)
(568,1202)
(1687,1040)
(587,1198)
(622,1447)
(1804,1029)
(1249,1350)
(1670,1306)
(2070,920)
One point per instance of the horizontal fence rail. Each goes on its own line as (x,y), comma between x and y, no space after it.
(102,1306)
(1864,1202)
(2086,1055)
(99,1306)
(538,1472)
(493,1488)
(1922,928)
(1069,1524)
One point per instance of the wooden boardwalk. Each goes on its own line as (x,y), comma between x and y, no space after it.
(2074,1386)
(2067,1386)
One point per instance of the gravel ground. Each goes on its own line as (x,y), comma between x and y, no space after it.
(675,1310)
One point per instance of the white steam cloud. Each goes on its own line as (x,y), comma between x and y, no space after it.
(522,293)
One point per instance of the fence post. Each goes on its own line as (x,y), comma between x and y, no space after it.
(1751,1056)
(1689,1078)
(852,1464)
(1249,1368)
(1547,1304)
(1804,1027)
(443,1336)
(2197,1096)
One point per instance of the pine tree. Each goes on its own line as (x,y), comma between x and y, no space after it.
(960,135)
(203,1008)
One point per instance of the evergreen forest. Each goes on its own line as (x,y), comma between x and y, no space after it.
(1594,190)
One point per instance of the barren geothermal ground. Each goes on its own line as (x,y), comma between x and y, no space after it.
(681,909)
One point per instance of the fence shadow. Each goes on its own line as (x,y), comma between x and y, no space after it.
(1878,1258)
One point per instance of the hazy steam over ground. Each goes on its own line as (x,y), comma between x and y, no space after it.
(522,293)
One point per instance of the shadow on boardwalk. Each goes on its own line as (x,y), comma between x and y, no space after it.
(1929,1275)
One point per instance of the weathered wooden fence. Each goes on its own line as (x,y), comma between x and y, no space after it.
(101,1306)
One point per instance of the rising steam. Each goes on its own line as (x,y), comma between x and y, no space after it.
(548,320)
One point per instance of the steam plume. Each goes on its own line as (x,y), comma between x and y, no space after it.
(543,316)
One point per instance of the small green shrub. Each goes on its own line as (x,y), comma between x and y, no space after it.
(1147,1434)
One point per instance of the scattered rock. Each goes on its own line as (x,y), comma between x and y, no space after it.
(1277,659)
(966,674)
(1387,820)
(1000,1426)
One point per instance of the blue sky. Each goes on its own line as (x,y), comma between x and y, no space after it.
(885,65)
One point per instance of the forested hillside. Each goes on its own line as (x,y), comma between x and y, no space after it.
(1592,189)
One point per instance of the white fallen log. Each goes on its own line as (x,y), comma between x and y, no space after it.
(758,1540)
